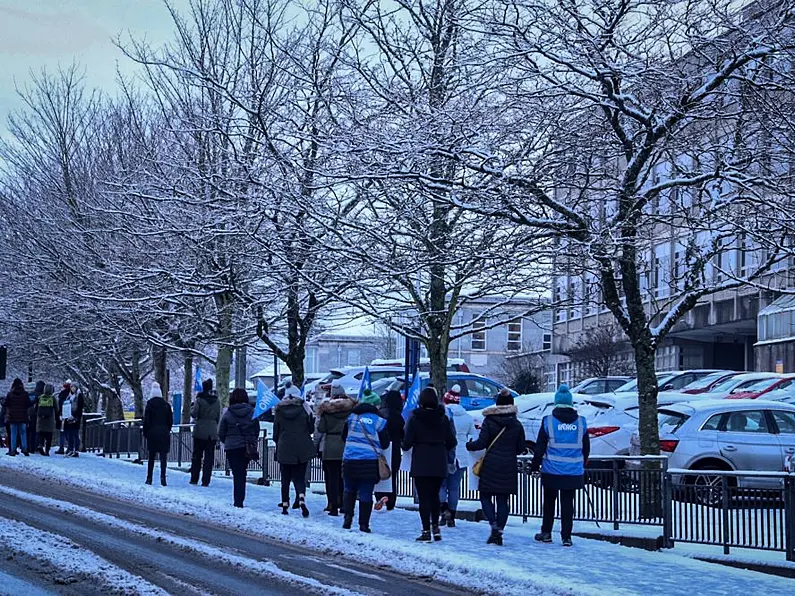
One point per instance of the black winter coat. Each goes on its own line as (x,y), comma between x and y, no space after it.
(77,412)
(292,430)
(431,436)
(392,411)
(557,481)
(158,420)
(499,474)
(237,427)
(16,406)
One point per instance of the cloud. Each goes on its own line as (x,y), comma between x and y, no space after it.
(26,32)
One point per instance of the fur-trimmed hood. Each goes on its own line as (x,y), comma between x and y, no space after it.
(501,411)
(292,401)
(333,406)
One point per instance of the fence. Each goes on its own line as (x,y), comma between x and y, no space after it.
(713,507)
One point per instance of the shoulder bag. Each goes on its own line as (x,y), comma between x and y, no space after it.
(477,467)
(252,447)
(384,471)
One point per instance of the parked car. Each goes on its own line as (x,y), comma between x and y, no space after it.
(631,387)
(598,385)
(707,382)
(736,384)
(453,364)
(747,435)
(761,388)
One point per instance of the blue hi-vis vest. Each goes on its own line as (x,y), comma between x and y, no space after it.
(356,445)
(564,451)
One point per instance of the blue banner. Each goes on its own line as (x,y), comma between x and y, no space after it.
(365,383)
(197,380)
(176,406)
(413,397)
(266,399)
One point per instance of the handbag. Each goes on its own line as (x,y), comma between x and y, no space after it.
(252,449)
(477,467)
(384,471)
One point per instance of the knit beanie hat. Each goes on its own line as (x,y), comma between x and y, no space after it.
(371,397)
(504,398)
(155,391)
(337,390)
(563,397)
(292,392)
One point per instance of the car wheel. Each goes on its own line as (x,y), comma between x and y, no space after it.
(707,489)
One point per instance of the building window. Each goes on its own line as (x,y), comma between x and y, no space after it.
(546,344)
(479,336)
(667,358)
(354,357)
(515,336)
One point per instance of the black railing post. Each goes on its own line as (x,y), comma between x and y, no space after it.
(789,516)
(725,514)
(614,494)
(266,472)
(668,504)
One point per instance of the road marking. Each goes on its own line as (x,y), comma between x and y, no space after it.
(355,572)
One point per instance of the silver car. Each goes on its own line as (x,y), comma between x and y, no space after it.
(744,435)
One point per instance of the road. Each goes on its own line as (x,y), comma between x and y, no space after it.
(172,567)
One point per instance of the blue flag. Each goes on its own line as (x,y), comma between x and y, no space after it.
(197,380)
(266,399)
(365,383)
(413,397)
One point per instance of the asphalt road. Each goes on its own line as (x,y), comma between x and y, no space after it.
(171,567)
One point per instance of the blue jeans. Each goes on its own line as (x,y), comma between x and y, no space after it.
(72,439)
(365,488)
(497,519)
(19,430)
(451,489)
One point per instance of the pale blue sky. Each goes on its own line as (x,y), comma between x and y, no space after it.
(46,33)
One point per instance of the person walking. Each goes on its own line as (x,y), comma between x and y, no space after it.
(333,414)
(292,432)
(63,395)
(16,407)
(561,451)
(464,428)
(430,434)
(502,436)
(47,419)
(72,416)
(158,420)
(236,430)
(33,437)
(392,411)
(365,435)
(206,414)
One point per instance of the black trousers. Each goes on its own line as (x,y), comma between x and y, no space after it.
(397,458)
(238,463)
(32,437)
(45,441)
(163,464)
(566,497)
(202,448)
(332,474)
(295,473)
(428,492)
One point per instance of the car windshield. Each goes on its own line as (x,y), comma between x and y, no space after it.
(759,385)
(670,421)
(704,382)
(662,379)
(724,386)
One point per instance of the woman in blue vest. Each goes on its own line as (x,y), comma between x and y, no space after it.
(365,435)
(561,450)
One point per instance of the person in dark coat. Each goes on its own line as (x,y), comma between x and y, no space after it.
(499,473)
(16,408)
(33,438)
(333,415)
(158,420)
(431,436)
(237,428)
(72,416)
(62,395)
(561,452)
(392,411)
(292,431)
(206,414)
(48,419)
(366,436)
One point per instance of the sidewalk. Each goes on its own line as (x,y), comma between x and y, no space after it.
(462,558)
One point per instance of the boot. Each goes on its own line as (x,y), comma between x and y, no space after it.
(12,453)
(567,541)
(424,537)
(544,537)
(285,506)
(451,519)
(60,451)
(26,454)
(365,511)
(296,504)
(437,533)
(148,479)
(302,505)
(381,502)
(444,511)
(163,481)
(493,536)
(348,504)
(498,538)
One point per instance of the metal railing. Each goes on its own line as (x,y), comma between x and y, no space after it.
(704,507)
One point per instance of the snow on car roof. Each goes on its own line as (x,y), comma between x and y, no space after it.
(728,405)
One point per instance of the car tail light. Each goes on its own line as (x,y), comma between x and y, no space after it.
(598,431)
(668,445)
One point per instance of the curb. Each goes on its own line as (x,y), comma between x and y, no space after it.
(767,568)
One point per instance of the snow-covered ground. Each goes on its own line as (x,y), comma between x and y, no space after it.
(520,567)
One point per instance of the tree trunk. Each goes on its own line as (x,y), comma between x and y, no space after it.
(187,388)
(138,399)
(160,364)
(295,363)
(437,354)
(647,397)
